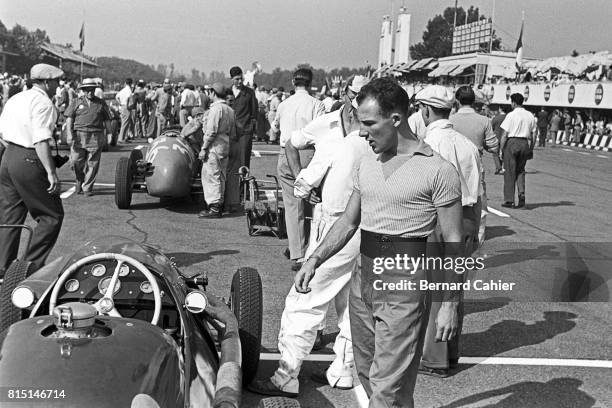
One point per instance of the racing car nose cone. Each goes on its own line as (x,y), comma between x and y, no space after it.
(74,315)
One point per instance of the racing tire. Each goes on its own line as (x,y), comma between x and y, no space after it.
(123,183)
(15,274)
(278,402)
(246,302)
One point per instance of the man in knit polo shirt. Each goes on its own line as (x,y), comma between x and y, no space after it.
(400,194)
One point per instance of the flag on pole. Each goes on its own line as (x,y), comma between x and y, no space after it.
(82,37)
(519,49)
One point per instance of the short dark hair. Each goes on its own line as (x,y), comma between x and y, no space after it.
(129,81)
(281,89)
(465,95)
(302,77)
(234,71)
(517,98)
(388,93)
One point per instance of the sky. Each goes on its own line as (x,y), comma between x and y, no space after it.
(216,34)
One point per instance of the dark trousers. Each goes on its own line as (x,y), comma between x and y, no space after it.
(439,354)
(232,185)
(23,189)
(542,136)
(388,329)
(245,145)
(515,159)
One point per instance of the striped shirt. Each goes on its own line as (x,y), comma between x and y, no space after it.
(405,203)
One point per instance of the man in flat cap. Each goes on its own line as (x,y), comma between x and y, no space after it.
(85,125)
(246,108)
(219,132)
(28,177)
(436,103)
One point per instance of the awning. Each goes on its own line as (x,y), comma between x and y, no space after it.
(65,53)
(459,69)
(442,70)
(420,64)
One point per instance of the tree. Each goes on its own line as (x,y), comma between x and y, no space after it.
(438,35)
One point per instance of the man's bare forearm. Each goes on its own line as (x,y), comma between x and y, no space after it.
(338,236)
(43,150)
(293,158)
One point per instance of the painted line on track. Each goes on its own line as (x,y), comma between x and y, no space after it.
(261,153)
(602,156)
(68,193)
(497,212)
(139,147)
(568,150)
(584,153)
(519,361)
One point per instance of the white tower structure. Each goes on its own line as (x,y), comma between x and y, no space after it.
(385,49)
(402,37)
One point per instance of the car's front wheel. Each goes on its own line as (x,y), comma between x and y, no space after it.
(123,183)
(246,301)
(14,275)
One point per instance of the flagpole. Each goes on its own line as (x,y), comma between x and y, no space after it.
(492,22)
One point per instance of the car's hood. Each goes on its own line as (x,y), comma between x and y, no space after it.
(134,357)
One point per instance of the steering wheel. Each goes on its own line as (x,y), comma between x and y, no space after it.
(106,305)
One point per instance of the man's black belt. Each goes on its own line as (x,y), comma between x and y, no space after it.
(375,245)
(20,146)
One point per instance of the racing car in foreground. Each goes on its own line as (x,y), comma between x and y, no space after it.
(169,169)
(116,324)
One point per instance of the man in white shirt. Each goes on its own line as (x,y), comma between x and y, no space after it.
(436,104)
(293,114)
(517,143)
(417,125)
(28,177)
(123,97)
(333,166)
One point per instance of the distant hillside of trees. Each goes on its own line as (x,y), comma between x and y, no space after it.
(115,69)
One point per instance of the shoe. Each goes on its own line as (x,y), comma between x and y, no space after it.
(507,204)
(318,344)
(78,189)
(266,387)
(320,377)
(434,372)
(213,212)
(521,202)
(88,193)
(453,363)
(287,253)
(296,266)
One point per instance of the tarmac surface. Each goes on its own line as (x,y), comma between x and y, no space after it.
(547,343)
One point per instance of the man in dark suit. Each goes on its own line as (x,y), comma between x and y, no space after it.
(246,109)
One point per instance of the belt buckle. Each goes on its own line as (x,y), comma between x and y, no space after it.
(385,242)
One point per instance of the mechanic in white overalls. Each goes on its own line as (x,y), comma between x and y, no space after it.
(219,131)
(333,167)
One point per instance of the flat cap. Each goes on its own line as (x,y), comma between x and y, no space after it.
(220,89)
(356,82)
(436,96)
(45,71)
